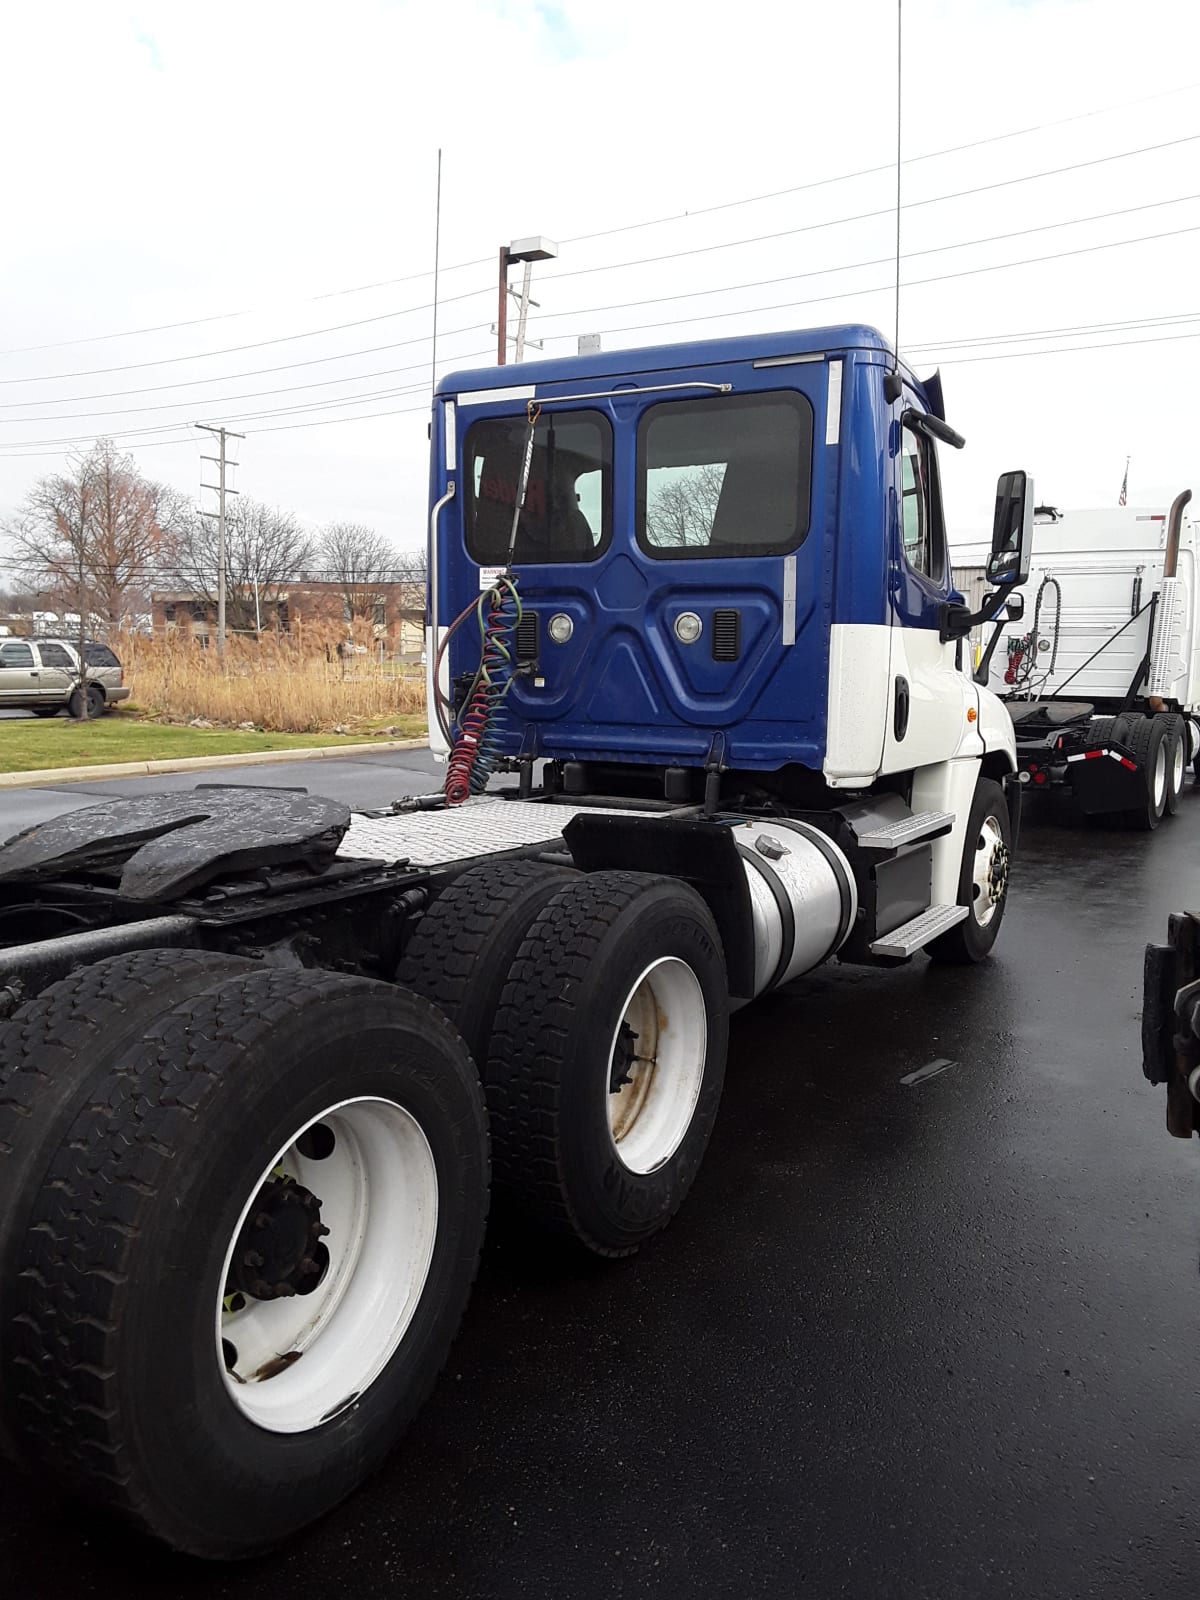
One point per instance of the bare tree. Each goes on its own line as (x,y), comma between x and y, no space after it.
(681,511)
(360,561)
(93,536)
(265,550)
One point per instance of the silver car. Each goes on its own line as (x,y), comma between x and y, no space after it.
(42,676)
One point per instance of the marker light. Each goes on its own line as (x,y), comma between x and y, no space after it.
(688,627)
(560,627)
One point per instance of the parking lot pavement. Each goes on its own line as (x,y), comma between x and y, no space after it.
(365,781)
(905,1339)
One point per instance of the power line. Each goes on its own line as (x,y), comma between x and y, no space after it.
(864,216)
(258,394)
(255,372)
(236,349)
(867,172)
(874,261)
(698,294)
(278,411)
(628,227)
(954,360)
(1063,350)
(883,288)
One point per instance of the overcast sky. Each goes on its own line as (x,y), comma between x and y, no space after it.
(256,163)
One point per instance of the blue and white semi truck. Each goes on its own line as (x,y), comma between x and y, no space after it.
(697,670)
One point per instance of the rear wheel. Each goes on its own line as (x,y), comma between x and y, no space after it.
(46,711)
(1176,741)
(607,1059)
(87,707)
(53,1052)
(464,945)
(248,1258)
(1146,738)
(983,879)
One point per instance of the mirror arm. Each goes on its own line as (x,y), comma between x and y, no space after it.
(956,621)
(984,670)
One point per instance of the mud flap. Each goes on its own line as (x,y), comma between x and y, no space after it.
(1106,780)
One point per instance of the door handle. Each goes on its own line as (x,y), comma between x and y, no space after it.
(900,719)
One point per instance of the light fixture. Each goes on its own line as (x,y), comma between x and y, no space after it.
(560,627)
(688,627)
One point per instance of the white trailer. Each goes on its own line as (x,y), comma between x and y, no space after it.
(1102,674)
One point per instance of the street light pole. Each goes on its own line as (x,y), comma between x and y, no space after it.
(528,251)
(502,311)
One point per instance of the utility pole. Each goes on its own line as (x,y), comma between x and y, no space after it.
(528,251)
(222,490)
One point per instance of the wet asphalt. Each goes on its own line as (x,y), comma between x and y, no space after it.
(934,1338)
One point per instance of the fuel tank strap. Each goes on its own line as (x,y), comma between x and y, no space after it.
(787,917)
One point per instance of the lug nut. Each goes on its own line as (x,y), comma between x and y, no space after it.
(252,1259)
(308,1266)
(262,1220)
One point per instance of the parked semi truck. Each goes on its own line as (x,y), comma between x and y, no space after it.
(696,603)
(1102,678)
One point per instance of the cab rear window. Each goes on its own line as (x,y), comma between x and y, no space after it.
(567,510)
(727,476)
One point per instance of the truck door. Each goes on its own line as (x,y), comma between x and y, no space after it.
(930,694)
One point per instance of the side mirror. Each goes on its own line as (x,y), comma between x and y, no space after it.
(1012,531)
(1015,608)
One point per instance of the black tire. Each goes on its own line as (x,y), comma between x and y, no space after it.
(462,948)
(89,708)
(1145,737)
(549,1070)
(112,1362)
(1176,736)
(53,1052)
(45,711)
(971,940)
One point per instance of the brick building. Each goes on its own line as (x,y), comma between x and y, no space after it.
(396,618)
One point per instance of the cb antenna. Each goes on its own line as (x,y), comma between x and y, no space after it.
(894,384)
(437,245)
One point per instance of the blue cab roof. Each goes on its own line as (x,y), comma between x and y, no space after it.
(659,357)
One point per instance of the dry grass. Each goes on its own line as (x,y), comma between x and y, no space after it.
(278,683)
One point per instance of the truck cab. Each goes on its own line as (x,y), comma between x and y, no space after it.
(731,558)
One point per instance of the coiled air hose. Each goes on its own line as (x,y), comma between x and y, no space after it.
(477,742)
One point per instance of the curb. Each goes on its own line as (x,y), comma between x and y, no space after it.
(54,777)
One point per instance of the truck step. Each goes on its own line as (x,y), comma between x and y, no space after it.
(915,935)
(922,825)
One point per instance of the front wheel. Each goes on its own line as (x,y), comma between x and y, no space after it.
(248,1258)
(983,879)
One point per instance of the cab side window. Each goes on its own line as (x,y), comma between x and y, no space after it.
(920,507)
(16,655)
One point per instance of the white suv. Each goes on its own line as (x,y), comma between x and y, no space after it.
(42,675)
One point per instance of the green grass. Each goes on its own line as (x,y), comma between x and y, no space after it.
(28,745)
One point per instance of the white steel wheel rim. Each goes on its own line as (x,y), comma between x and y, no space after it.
(1160,775)
(649,1115)
(987,892)
(1177,765)
(302,1358)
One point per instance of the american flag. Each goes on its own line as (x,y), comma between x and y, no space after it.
(1124,484)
